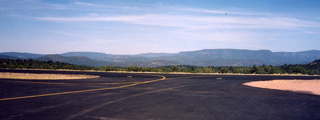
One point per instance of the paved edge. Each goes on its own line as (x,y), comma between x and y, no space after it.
(84,91)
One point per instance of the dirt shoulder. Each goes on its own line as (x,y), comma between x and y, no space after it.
(34,76)
(301,86)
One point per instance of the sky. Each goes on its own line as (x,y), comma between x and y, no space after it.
(158,26)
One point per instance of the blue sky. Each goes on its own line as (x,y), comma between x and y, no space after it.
(141,26)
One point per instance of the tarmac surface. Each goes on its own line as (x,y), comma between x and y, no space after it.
(124,96)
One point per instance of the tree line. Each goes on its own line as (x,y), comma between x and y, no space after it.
(312,68)
(35,64)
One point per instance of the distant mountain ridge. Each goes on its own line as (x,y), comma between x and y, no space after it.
(91,55)
(21,55)
(206,57)
(76,60)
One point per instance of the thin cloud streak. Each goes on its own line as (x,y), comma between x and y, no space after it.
(101,6)
(213,18)
(222,12)
(195,22)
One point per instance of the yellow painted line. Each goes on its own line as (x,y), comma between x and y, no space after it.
(49,83)
(81,91)
(68,84)
(63,83)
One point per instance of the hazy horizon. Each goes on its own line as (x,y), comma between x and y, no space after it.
(151,52)
(158,26)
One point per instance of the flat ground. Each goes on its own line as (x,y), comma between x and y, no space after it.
(302,86)
(32,76)
(122,96)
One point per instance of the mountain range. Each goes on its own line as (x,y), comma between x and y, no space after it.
(206,57)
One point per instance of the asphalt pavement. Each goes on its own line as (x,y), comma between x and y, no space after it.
(128,96)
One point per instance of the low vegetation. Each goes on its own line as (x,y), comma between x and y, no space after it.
(311,68)
(264,69)
(35,64)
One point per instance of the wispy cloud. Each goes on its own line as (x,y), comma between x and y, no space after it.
(101,6)
(187,17)
(312,32)
(27,5)
(194,21)
(87,4)
(222,12)
(144,26)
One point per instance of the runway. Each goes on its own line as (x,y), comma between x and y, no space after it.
(124,96)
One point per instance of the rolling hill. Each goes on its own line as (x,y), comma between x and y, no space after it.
(206,57)
(21,55)
(76,60)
